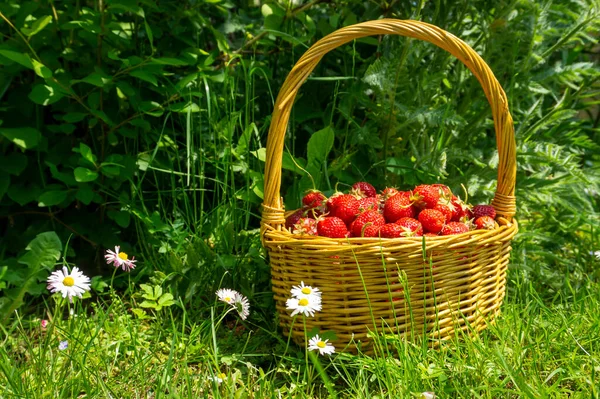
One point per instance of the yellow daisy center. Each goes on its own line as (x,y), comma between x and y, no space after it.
(222,376)
(303,302)
(321,344)
(227,299)
(306,290)
(69,281)
(122,255)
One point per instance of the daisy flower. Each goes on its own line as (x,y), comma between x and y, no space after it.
(596,254)
(240,303)
(303,291)
(63,345)
(323,346)
(427,395)
(68,284)
(218,378)
(307,305)
(120,259)
(44,323)
(226,295)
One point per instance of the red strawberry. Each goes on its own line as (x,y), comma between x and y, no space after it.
(444,190)
(306,226)
(371,230)
(389,192)
(485,223)
(412,227)
(445,209)
(454,228)
(484,210)
(391,230)
(294,218)
(332,227)
(399,206)
(460,211)
(363,190)
(425,196)
(432,220)
(332,201)
(313,199)
(365,204)
(365,219)
(345,207)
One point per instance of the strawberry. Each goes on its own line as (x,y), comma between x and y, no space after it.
(345,207)
(391,230)
(367,203)
(432,220)
(445,209)
(363,190)
(425,196)
(305,226)
(294,218)
(399,206)
(460,211)
(389,192)
(412,227)
(313,199)
(332,201)
(371,230)
(454,228)
(485,223)
(444,191)
(365,219)
(333,227)
(484,210)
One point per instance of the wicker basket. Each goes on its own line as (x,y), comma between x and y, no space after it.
(451,283)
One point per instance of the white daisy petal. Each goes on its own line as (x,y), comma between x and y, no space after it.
(120,259)
(240,303)
(323,346)
(227,295)
(303,291)
(68,284)
(307,306)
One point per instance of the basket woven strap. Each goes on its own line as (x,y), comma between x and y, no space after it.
(504,201)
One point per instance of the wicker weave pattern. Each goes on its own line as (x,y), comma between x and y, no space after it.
(459,284)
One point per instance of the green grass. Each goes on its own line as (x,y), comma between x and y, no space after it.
(536,349)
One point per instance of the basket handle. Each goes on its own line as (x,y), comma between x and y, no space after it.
(504,201)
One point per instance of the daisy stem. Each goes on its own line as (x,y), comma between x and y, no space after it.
(113,277)
(306,376)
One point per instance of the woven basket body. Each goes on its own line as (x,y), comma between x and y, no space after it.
(407,286)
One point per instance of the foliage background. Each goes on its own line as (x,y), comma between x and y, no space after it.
(143,124)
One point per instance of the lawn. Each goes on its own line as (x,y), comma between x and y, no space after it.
(141,128)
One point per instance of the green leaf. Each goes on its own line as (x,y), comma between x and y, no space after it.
(44,95)
(145,76)
(74,117)
(122,218)
(147,290)
(13,163)
(148,304)
(19,58)
(66,178)
(150,35)
(94,78)
(43,251)
(85,194)
(170,61)
(23,195)
(41,70)
(184,107)
(84,175)
(24,137)
(319,146)
(4,184)
(166,300)
(37,26)
(87,154)
(52,197)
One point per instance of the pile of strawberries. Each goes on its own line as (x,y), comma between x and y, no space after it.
(426,210)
